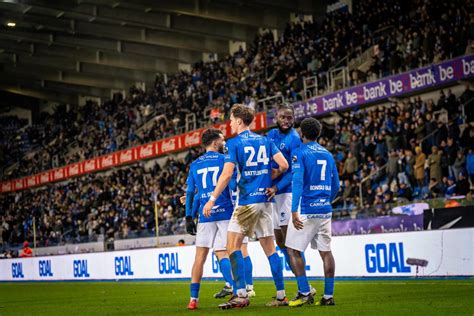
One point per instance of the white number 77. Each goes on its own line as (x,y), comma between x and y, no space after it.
(323,169)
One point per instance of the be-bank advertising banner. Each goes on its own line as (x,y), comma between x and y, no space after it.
(397,85)
(437,253)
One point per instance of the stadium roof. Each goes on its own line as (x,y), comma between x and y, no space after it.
(55,50)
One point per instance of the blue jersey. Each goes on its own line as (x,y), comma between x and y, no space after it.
(315,179)
(203,175)
(252,154)
(287,143)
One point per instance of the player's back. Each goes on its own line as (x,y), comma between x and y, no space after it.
(205,171)
(252,154)
(320,178)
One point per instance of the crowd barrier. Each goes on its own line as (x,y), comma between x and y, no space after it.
(446,253)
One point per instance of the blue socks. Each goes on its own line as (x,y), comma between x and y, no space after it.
(195,290)
(277,271)
(226,270)
(248,270)
(328,287)
(284,251)
(303,285)
(238,269)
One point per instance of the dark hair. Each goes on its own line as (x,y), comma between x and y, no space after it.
(285,106)
(243,112)
(210,135)
(310,128)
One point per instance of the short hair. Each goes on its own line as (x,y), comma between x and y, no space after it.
(210,135)
(285,106)
(245,113)
(310,128)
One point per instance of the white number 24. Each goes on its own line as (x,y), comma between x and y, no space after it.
(261,156)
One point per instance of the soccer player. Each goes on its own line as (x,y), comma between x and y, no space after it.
(287,139)
(251,154)
(211,229)
(315,185)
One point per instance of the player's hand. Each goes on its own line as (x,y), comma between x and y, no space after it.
(190,226)
(296,221)
(276,173)
(182,200)
(271,192)
(207,208)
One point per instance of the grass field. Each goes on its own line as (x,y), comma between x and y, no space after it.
(374,297)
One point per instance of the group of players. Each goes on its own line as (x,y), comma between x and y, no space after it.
(274,201)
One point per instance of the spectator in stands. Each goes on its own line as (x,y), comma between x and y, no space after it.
(434,163)
(470,165)
(462,186)
(27,251)
(420,167)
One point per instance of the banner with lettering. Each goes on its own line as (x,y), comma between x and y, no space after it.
(394,86)
(447,253)
(126,156)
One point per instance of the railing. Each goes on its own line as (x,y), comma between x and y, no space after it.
(310,87)
(266,104)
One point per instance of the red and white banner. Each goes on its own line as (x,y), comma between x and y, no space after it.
(147,151)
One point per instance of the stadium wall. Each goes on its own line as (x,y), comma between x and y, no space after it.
(447,252)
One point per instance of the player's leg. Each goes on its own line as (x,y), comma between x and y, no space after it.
(205,236)
(226,270)
(265,235)
(235,238)
(281,214)
(323,244)
(329,269)
(248,269)
(220,244)
(296,242)
(196,275)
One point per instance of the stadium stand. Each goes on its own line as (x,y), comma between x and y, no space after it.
(119,204)
(384,147)
(269,67)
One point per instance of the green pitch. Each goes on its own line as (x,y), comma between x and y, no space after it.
(401,298)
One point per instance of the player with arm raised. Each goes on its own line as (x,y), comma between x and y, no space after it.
(212,229)
(315,185)
(251,154)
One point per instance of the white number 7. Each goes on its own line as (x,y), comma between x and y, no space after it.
(204,171)
(323,169)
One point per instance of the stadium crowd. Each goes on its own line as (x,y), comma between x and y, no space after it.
(425,157)
(407,35)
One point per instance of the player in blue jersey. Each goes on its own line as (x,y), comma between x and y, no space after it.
(287,139)
(252,155)
(211,231)
(315,185)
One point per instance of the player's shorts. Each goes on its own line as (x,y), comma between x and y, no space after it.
(253,219)
(212,235)
(316,230)
(282,210)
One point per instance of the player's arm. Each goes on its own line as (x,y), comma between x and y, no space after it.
(280,160)
(190,191)
(297,188)
(334,182)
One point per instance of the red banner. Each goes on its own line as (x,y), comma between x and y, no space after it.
(150,150)
(107,161)
(7,186)
(31,182)
(125,156)
(90,165)
(74,169)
